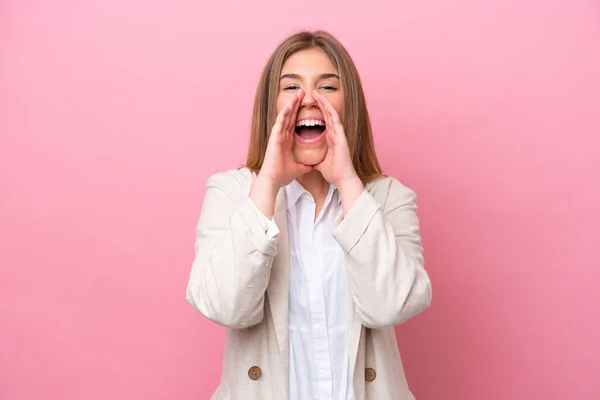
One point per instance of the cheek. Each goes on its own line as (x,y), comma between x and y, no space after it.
(283,100)
(337,101)
(339,108)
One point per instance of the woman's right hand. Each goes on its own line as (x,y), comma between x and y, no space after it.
(279,166)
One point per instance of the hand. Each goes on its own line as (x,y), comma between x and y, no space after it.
(337,167)
(279,165)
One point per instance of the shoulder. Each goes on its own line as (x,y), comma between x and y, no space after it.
(388,191)
(234,182)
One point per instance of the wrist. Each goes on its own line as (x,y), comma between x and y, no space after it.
(350,183)
(263,193)
(350,190)
(265,183)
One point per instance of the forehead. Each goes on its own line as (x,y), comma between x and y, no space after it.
(309,62)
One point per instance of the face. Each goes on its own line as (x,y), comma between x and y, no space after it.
(310,70)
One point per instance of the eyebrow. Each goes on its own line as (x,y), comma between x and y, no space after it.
(296,76)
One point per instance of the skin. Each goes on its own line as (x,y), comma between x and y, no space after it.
(309,86)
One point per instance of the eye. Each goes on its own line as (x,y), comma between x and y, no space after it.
(329,88)
(291,87)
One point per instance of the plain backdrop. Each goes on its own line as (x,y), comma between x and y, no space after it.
(114,113)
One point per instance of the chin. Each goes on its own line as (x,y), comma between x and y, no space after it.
(310,157)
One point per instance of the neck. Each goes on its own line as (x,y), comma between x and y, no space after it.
(315,184)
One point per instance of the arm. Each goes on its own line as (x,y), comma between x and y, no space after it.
(385,269)
(233,255)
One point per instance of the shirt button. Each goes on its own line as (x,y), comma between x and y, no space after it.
(370,374)
(254,373)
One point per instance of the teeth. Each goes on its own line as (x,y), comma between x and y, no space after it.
(310,122)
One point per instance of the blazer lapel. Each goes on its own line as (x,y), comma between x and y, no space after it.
(279,283)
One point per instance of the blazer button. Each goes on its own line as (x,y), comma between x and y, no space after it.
(254,373)
(370,374)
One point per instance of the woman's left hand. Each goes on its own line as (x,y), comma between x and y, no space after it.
(337,167)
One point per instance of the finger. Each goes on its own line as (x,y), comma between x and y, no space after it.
(288,117)
(329,120)
(321,102)
(329,123)
(294,114)
(333,119)
(330,138)
(280,121)
(330,112)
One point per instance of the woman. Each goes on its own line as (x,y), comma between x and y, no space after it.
(309,255)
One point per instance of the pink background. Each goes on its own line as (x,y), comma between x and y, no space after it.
(113,114)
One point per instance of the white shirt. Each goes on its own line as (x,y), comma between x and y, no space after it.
(318,327)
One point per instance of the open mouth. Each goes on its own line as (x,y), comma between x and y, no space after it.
(309,129)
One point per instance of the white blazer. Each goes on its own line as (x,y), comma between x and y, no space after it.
(240,279)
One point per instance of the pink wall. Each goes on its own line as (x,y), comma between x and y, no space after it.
(114,113)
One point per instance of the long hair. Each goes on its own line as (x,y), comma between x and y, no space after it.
(355,117)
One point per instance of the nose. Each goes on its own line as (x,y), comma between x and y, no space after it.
(308,100)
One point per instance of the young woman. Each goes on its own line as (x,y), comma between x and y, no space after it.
(309,255)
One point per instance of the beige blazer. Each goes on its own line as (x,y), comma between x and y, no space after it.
(240,279)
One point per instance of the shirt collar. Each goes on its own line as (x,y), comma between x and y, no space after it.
(294,191)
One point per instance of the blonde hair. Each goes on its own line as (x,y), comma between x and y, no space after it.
(355,117)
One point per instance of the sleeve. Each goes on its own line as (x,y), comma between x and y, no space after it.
(233,255)
(269,225)
(385,269)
